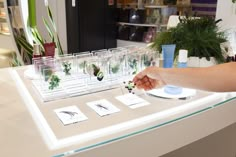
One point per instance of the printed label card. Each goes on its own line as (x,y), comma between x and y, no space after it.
(132,100)
(70,115)
(103,107)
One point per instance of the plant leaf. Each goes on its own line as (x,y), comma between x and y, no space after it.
(50,31)
(51,18)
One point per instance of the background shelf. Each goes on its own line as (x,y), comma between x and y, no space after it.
(137,24)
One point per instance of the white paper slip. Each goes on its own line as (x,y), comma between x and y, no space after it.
(70,115)
(186,92)
(103,107)
(132,100)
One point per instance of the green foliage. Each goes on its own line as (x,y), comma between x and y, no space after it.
(162,38)
(234,1)
(200,36)
(133,64)
(54,82)
(25,48)
(115,68)
(52,30)
(15,62)
(66,67)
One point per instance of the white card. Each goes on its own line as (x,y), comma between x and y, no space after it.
(70,115)
(103,107)
(132,100)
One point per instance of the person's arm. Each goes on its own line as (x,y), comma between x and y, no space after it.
(219,78)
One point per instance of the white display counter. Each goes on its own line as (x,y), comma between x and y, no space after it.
(30,127)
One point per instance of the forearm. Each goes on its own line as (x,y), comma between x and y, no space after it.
(219,78)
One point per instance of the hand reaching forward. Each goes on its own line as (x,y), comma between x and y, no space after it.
(148,79)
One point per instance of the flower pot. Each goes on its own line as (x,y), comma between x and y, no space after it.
(49,49)
(203,62)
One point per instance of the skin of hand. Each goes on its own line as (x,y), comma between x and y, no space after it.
(148,79)
(218,78)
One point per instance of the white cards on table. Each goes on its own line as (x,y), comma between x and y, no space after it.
(132,100)
(103,107)
(70,115)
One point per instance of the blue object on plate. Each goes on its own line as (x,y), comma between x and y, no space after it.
(174,90)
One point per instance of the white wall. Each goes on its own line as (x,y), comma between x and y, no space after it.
(227,12)
(59,16)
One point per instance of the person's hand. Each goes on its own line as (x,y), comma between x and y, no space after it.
(148,79)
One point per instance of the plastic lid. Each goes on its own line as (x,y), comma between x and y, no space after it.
(37,49)
(183,56)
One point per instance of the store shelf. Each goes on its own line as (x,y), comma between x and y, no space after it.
(3,17)
(210,13)
(1,4)
(156,6)
(6,41)
(122,43)
(204,5)
(137,24)
(141,25)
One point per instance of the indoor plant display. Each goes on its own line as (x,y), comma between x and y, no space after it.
(25,47)
(200,36)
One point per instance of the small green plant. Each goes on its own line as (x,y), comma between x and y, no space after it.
(54,82)
(147,61)
(133,64)
(66,67)
(47,73)
(115,68)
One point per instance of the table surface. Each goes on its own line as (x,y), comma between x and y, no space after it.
(30,127)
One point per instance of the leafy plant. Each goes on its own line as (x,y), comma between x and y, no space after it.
(161,39)
(25,48)
(200,36)
(115,68)
(52,30)
(15,62)
(66,67)
(146,60)
(54,82)
(133,64)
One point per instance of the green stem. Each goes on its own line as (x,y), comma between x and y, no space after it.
(32,13)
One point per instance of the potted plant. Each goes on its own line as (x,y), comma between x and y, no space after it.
(200,36)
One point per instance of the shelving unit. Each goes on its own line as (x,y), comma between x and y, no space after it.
(156,6)
(137,24)
(152,19)
(7,43)
(4,27)
(123,43)
(204,9)
(15,14)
